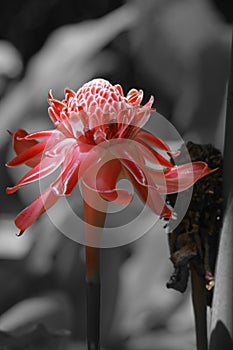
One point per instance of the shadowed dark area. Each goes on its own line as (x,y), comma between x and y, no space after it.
(220,338)
(225,8)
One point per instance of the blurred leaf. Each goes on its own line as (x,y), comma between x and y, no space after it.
(38,338)
(72,55)
(10,60)
(20,282)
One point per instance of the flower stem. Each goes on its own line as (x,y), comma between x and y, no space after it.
(199,305)
(94,216)
(93,298)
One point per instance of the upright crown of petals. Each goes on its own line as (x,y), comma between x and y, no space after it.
(100,103)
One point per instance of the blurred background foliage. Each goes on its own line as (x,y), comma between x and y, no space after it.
(176,50)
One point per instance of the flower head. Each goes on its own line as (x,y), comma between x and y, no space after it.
(98,139)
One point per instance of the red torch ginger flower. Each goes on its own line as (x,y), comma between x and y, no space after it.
(98,128)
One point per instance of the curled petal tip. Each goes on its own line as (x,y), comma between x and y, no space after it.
(173,154)
(18,234)
(10,133)
(18,138)
(69,91)
(213,170)
(50,95)
(9,190)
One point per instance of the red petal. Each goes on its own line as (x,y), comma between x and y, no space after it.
(173,154)
(148,105)
(28,216)
(143,114)
(118,196)
(119,89)
(29,152)
(180,178)
(141,179)
(57,105)
(44,168)
(151,197)
(40,134)
(61,148)
(134,96)
(130,159)
(131,162)
(153,156)
(50,95)
(69,93)
(20,144)
(104,181)
(69,177)
(135,170)
(54,116)
(153,140)
(104,175)
(17,140)
(89,156)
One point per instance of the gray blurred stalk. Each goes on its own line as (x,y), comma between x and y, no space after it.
(221,333)
(199,308)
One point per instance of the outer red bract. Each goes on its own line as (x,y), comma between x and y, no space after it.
(98,128)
